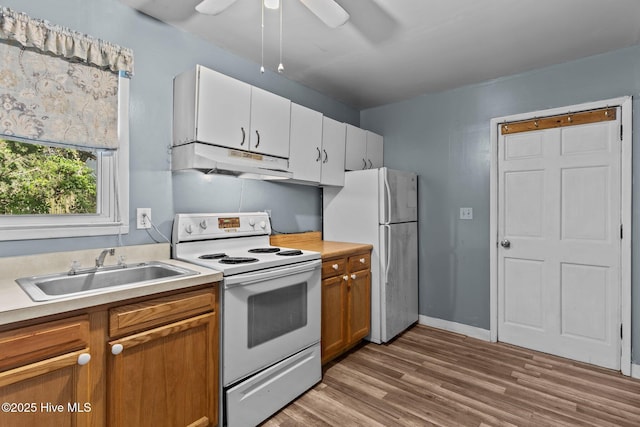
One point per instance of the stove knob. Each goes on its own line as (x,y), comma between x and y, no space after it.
(188,229)
(252,222)
(263,225)
(203,224)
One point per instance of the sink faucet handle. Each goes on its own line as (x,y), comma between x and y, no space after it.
(122,260)
(75,266)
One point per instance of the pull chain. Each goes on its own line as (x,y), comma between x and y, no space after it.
(262,40)
(280,66)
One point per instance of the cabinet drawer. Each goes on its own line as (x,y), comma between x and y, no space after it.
(148,314)
(333,267)
(360,262)
(34,343)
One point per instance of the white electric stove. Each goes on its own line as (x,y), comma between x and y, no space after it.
(270,310)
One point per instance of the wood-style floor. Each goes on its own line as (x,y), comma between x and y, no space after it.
(432,377)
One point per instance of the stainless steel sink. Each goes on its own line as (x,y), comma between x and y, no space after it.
(59,285)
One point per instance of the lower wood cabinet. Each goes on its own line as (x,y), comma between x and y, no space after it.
(44,374)
(153,362)
(346,303)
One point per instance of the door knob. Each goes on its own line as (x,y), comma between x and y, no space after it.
(505,244)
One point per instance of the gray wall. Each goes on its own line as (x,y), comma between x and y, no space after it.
(160,53)
(445,138)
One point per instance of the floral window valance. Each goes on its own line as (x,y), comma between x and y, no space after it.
(58,86)
(56,40)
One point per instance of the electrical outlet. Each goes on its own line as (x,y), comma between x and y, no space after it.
(268,211)
(143,218)
(466,213)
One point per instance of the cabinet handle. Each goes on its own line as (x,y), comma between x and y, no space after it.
(345,277)
(353,276)
(116,349)
(364,164)
(83,359)
(319,154)
(326,156)
(335,266)
(370,164)
(362,260)
(244,135)
(258,143)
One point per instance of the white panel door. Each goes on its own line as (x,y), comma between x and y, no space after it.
(559,216)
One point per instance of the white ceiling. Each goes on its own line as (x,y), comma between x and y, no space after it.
(396,49)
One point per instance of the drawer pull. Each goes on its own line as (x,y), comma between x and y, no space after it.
(335,266)
(116,349)
(83,359)
(353,276)
(362,260)
(345,277)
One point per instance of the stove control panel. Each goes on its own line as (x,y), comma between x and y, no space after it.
(189,227)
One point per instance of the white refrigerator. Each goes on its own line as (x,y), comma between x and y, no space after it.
(380,207)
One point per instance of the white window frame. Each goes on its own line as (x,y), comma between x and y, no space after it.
(113,194)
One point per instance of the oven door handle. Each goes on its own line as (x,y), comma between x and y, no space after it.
(249,278)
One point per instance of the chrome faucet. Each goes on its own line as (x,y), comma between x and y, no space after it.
(103,255)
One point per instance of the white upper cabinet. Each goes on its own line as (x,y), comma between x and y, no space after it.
(364,149)
(333,152)
(356,150)
(270,123)
(305,154)
(317,148)
(375,149)
(213,108)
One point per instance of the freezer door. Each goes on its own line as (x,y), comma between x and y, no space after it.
(398,278)
(398,196)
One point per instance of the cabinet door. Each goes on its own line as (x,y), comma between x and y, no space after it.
(356,150)
(305,157)
(359,305)
(334,316)
(166,376)
(52,392)
(375,147)
(44,376)
(223,109)
(333,152)
(270,123)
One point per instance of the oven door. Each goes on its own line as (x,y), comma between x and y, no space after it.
(267,316)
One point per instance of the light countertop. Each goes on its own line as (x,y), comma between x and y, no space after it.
(16,305)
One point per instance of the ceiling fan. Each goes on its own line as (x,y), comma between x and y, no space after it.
(329,12)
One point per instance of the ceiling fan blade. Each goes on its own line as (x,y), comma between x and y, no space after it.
(329,12)
(213,7)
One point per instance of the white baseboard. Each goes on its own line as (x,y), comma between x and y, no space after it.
(635,371)
(460,328)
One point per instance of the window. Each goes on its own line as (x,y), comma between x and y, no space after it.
(43,180)
(63,131)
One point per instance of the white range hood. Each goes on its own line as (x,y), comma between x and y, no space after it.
(220,160)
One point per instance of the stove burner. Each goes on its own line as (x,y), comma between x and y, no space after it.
(213,256)
(264,250)
(290,253)
(237,260)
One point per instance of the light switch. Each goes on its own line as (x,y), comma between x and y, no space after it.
(466,213)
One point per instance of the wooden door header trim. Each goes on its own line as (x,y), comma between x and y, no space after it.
(563,120)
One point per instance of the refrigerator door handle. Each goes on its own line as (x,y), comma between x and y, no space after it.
(387,200)
(388,250)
